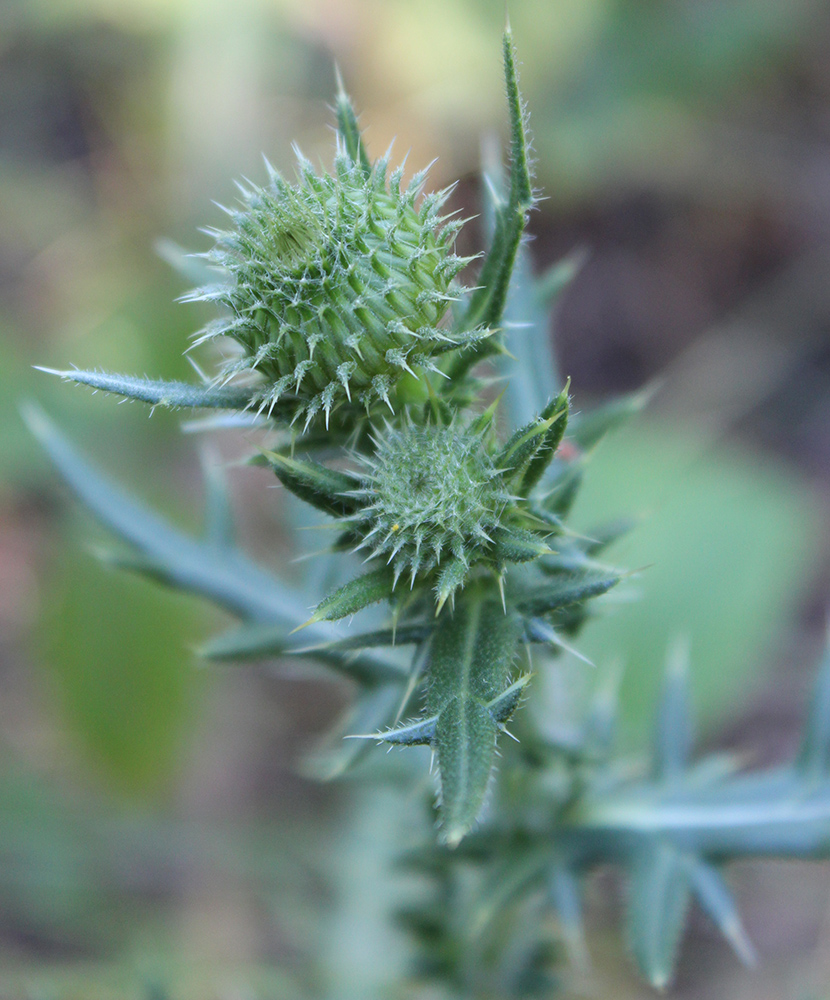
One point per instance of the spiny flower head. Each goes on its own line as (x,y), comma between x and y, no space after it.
(433,498)
(337,286)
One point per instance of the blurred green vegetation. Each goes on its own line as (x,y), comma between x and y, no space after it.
(727,543)
(120,120)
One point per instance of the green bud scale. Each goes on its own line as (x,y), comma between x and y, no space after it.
(337,286)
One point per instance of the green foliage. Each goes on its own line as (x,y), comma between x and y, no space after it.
(337,295)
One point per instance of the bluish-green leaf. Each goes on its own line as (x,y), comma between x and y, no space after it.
(158,392)
(355,595)
(326,489)
(487,303)
(470,659)
(465,741)
(349,130)
(814,755)
(673,741)
(565,895)
(565,589)
(658,900)
(716,899)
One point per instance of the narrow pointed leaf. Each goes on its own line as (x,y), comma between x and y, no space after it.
(324,488)
(658,900)
(814,755)
(565,589)
(470,659)
(355,595)
(503,706)
(523,446)
(465,740)
(412,734)
(565,895)
(403,635)
(227,578)
(158,392)
(218,513)
(258,641)
(488,302)
(557,411)
(518,545)
(717,901)
(673,741)
(349,130)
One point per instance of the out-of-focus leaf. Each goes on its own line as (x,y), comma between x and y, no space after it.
(126,691)
(658,899)
(814,756)
(728,542)
(717,901)
(673,742)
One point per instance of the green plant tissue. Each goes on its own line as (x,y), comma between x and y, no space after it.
(727,540)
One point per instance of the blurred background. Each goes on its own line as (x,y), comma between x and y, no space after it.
(157,836)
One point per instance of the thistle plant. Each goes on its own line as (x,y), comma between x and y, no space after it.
(369,369)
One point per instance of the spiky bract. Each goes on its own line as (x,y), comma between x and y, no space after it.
(337,287)
(433,498)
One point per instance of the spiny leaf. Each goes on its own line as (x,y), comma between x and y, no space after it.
(158,392)
(504,705)
(412,734)
(488,301)
(557,411)
(470,660)
(717,901)
(518,545)
(423,731)
(566,588)
(316,484)
(523,445)
(349,130)
(658,899)
(465,739)
(354,596)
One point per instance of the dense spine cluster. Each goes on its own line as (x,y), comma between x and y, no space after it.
(432,500)
(337,287)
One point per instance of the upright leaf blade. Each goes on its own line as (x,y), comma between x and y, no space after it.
(470,660)
(465,739)
(488,302)
(349,130)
